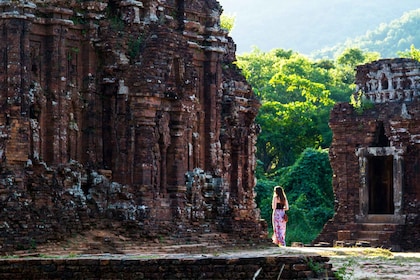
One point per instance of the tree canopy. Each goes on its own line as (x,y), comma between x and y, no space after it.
(297,94)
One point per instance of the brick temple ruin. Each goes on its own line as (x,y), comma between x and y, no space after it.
(375,156)
(128,115)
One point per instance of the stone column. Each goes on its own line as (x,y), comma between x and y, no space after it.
(177,164)
(15,111)
(211,106)
(144,118)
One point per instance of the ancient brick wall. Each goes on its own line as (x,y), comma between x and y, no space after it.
(268,267)
(384,126)
(128,110)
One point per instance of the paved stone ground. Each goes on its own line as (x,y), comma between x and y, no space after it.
(370,263)
(348,263)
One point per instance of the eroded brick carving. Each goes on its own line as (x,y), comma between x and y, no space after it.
(375,158)
(131,111)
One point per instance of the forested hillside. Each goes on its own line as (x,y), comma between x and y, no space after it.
(388,39)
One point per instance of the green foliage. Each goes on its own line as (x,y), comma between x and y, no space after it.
(116,22)
(264,189)
(308,187)
(351,57)
(345,70)
(360,103)
(258,67)
(412,53)
(297,95)
(309,190)
(346,271)
(297,79)
(287,130)
(316,267)
(78,20)
(227,22)
(134,46)
(310,175)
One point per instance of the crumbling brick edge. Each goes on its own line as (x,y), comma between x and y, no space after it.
(150,267)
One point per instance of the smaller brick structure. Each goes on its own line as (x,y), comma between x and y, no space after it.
(375,156)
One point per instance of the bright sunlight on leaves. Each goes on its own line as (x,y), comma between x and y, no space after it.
(227,22)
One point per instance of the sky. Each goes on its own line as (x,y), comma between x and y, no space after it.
(307,25)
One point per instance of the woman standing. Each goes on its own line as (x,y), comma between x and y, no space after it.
(279,205)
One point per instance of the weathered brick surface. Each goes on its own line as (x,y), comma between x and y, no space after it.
(122,114)
(294,267)
(390,127)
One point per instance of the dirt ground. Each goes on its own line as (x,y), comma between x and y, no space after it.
(348,263)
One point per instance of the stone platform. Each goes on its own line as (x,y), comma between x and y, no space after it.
(269,263)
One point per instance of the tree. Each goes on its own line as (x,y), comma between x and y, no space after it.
(351,57)
(287,129)
(297,95)
(412,53)
(295,104)
(258,67)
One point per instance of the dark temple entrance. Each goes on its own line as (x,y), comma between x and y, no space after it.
(380,185)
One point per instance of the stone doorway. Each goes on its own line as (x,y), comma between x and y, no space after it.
(380,193)
(380,185)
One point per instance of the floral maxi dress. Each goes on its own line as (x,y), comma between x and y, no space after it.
(279,227)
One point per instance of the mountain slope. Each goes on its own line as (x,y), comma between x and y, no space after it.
(305,26)
(387,39)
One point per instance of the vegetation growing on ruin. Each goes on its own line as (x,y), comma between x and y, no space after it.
(227,22)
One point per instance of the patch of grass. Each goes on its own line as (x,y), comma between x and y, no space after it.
(147,257)
(360,103)
(317,268)
(403,260)
(134,46)
(377,252)
(354,263)
(346,271)
(358,252)
(9,257)
(72,255)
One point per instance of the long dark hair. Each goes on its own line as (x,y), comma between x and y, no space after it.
(279,192)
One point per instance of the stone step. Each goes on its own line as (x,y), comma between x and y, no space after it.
(367,235)
(363,234)
(366,242)
(378,227)
(383,218)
